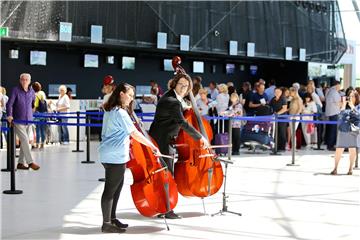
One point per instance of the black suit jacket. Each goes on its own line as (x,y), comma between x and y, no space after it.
(169,119)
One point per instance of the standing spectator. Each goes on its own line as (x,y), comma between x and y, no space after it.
(157,89)
(63,105)
(108,87)
(195,91)
(245,95)
(203,102)
(213,91)
(258,99)
(308,129)
(332,110)
(235,110)
(222,103)
(270,91)
(197,80)
(222,99)
(296,107)
(40,106)
(69,92)
(4,100)
(279,106)
(350,140)
(2,106)
(19,108)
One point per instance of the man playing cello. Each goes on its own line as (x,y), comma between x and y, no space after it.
(169,119)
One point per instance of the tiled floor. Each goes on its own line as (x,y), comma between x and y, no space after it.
(62,201)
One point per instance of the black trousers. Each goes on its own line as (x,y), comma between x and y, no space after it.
(235,139)
(282,127)
(331,132)
(114,180)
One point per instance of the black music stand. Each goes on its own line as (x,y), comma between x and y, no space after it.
(226,162)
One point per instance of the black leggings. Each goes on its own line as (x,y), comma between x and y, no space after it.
(114,180)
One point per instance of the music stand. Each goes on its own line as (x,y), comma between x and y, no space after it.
(226,162)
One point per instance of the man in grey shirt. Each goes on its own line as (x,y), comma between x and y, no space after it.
(332,110)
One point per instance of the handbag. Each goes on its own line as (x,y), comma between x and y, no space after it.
(310,128)
(354,128)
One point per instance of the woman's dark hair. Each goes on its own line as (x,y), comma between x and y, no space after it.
(356,96)
(231,90)
(348,91)
(36,86)
(177,78)
(196,88)
(115,100)
(307,95)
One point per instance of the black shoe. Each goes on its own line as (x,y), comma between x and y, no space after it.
(331,148)
(172,215)
(119,224)
(109,228)
(235,153)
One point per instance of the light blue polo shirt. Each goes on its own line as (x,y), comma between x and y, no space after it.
(115,144)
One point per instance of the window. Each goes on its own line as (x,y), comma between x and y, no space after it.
(128,63)
(38,58)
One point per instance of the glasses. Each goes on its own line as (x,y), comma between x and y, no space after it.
(183,85)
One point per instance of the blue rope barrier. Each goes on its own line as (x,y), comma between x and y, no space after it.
(56,116)
(5,129)
(58,123)
(268,118)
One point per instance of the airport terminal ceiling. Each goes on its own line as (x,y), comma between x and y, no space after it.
(272,26)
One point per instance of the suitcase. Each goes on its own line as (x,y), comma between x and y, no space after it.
(221,139)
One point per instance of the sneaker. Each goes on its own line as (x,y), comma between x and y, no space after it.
(22,166)
(34,166)
(117,223)
(109,228)
(65,143)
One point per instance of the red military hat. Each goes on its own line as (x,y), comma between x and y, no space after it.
(108,80)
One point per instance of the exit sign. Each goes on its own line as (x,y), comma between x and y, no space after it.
(4,31)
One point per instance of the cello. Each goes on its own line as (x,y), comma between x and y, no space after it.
(154,190)
(198,172)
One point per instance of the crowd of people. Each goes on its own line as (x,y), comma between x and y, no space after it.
(299,102)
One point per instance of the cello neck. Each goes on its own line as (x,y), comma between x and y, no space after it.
(139,125)
(198,115)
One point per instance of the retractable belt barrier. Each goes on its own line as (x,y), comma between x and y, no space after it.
(97,116)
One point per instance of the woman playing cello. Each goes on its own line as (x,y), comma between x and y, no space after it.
(114,152)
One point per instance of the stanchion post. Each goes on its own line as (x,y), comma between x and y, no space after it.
(1,140)
(12,163)
(230,138)
(276,136)
(78,133)
(8,153)
(293,144)
(87,141)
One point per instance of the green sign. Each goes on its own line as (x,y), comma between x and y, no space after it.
(4,31)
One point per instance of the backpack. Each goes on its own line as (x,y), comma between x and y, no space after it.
(42,106)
